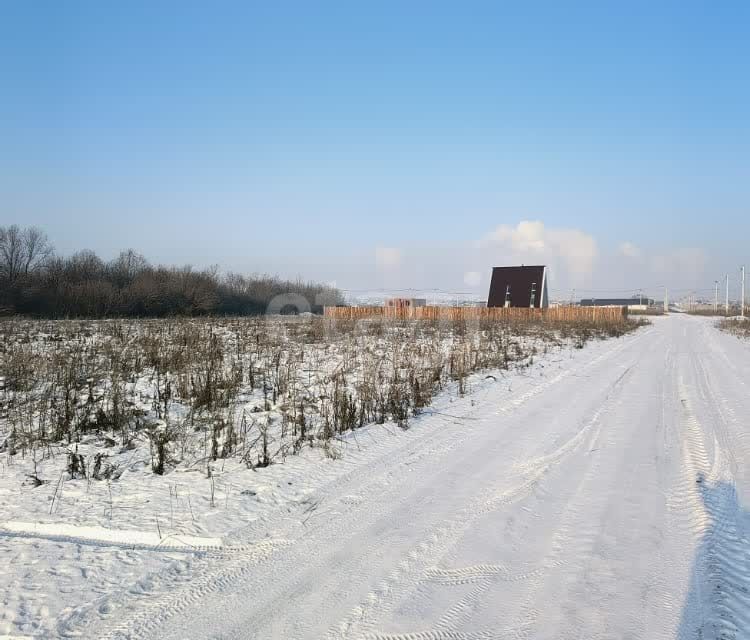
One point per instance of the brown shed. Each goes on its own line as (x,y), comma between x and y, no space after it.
(519,287)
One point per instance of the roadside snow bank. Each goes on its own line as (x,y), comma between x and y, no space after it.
(130,538)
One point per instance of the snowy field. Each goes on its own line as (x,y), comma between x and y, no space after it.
(549,491)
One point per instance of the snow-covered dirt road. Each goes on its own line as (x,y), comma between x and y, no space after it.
(606,496)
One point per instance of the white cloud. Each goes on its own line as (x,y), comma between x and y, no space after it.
(629,250)
(525,237)
(573,256)
(531,241)
(387,258)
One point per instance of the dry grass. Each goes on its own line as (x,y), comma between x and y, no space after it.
(261,389)
(736,326)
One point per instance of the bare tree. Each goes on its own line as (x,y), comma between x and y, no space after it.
(127,266)
(22,251)
(11,252)
(37,249)
(36,282)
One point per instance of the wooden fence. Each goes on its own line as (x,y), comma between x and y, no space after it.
(552,314)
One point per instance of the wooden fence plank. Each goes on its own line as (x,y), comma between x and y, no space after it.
(552,314)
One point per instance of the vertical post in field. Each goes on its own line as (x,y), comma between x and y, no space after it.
(716,298)
(726,303)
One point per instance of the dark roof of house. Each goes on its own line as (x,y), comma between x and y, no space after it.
(518,281)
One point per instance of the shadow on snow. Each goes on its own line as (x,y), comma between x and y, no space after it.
(717,606)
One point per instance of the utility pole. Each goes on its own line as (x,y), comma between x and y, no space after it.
(742,293)
(726,304)
(716,298)
(666,300)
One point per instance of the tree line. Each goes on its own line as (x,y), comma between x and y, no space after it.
(35,281)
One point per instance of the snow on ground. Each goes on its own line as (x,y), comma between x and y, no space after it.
(603,492)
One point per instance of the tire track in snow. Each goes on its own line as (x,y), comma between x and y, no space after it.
(416,562)
(574,530)
(705,504)
(388,592)
(481,572)
(536,469)
(722,574)
(577,532)
(685,506)
(444,635)
(181,573)
(593,521)
(739,437)
(463,610)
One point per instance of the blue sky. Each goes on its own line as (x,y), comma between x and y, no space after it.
(307,138)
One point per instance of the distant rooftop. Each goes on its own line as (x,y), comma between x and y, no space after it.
(617,302)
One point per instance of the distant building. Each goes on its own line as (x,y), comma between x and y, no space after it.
(519,287)
(634,303)
(403,303)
